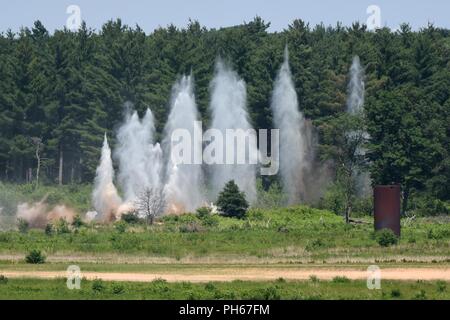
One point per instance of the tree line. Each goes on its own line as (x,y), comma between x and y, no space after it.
(60,92)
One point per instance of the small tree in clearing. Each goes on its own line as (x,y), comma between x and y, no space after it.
(151,203)
(231,201)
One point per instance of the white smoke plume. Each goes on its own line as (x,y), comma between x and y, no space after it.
(355,105)
(105,197)
(356,87)
(183,190)
(295,136)
(229,111)
(140,160)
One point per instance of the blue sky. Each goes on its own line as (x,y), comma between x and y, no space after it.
(150,14)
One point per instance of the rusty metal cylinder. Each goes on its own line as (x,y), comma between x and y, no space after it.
(386,205)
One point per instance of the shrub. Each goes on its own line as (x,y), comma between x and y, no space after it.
(49,229)
(441,286)
(341,279)
(203,212)
(210,286)
(118,289)
(131,218)
(283,229)
(395,293)
(23,225)
(271,293)
(210,221)
(62,226)
(98,286)
(421,295)
(121,226)
(77,221)
(35,257)
(3,279)
(386,237)
(231,201)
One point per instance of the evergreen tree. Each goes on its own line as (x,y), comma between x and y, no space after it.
(231,201)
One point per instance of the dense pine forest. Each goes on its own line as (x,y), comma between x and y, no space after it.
(60,92)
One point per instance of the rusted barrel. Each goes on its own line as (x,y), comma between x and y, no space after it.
(386,205)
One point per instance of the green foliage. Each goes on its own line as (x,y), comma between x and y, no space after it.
(340,279)
(276,233)
(131,218)
(49,229)
(98,286)
(68,88)
(77,221)
(441,286)
(120,226)
(35,257)
(273,197)
(386,237)
(23,225)
(62,226)
(231,201)
(118,288)
(3,279)
(241,290)
(395,293)
(203,212)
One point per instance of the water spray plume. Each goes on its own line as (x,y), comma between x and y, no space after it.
(355,106)
(184,181)
(140,161)
(105,197)
(355,101)
(295,135)
(229,111)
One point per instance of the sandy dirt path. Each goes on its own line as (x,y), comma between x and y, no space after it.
(248,274)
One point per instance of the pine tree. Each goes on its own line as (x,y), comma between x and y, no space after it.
(231,201)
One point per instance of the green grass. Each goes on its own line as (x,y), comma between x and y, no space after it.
(280,289)
(297,232)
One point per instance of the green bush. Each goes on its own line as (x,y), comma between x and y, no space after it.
(421,295)
(203,212)
(131,218)
(35,257)
(98,286)
(120,226)
(118,288)
(49,229)
(441,286)
(395,293)
(77,221)
(62,226)
(341,279)
(273,197)
(231,201)
(386,237)
(23,225)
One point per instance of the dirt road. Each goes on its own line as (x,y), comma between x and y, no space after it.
(248,274)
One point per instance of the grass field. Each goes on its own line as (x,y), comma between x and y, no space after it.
(298,234)
(338,288)
(288,239)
